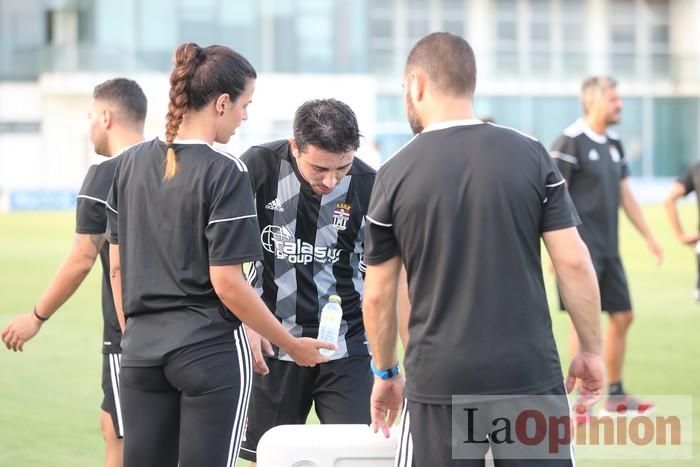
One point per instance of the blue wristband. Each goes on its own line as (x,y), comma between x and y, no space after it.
(385,374)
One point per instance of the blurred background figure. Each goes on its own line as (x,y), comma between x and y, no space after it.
(116,120)
(591,158)
(687,183)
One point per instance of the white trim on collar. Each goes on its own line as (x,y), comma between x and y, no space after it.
(450,124)
(97,159)
(186,141)
(596,137)
(190,141)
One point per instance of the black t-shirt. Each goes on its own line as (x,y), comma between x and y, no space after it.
(91,218)
(464,204)
(313,244)
(169,233)
(691,182)
(593,166)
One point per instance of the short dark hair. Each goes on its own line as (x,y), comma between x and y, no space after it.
(326,124)
(448,60)
(126,94)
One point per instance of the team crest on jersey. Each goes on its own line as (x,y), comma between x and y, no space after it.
(341,215)
(593,155)
(614,154)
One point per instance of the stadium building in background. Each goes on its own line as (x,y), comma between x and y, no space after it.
(532,57)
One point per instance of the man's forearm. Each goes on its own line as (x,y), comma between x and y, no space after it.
(380,312)
(636,217)
(579,292)
(634,212)
(677,192)
(674,219)
(578,284)
(70,274)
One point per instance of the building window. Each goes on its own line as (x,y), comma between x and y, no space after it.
(390,108)
(381,36)
(61,28)
(623,37)
(453,16)
(315,36)
(659,32)
(507,31)
(241,27)
(540,37)
(640,26)
(155,40)
(19,127)
(573,25)
(198,21)
(418,20)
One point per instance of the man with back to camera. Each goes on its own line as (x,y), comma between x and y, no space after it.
(116,117)
(312,196)
(463,206)
(592,160)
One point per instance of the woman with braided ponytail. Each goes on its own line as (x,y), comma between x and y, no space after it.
(181,224)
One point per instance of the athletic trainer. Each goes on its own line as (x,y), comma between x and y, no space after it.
(591,158)
(464,205)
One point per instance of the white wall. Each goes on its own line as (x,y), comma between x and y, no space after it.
(685,16)
(19,161)
(277,96)
(58,156)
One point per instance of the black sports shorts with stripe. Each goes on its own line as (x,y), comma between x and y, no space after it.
(339,389)
(111,362)
(427,437)
(191,410)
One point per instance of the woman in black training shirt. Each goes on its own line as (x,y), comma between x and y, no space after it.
(181,223)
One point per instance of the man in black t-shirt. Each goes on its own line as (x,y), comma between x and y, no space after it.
(117,118)
(592,160)
(685,184)
(463,206)
(312,196)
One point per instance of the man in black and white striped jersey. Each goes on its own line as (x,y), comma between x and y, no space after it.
(116,119)
(312,195)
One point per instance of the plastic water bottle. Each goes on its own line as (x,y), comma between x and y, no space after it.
(329,326)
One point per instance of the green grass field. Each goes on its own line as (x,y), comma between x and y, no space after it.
(50,394)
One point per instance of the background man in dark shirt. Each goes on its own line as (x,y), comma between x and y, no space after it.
(592,160)
(116,118)
(464,206)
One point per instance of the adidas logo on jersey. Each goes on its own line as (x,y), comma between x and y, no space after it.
(274,205)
